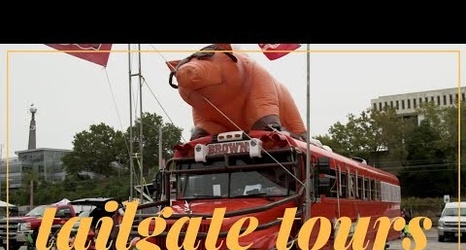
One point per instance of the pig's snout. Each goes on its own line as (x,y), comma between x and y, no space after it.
(188,75)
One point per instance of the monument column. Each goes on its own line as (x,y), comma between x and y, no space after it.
(32,128)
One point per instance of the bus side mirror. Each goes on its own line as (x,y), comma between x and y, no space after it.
(324,173)
(323,165)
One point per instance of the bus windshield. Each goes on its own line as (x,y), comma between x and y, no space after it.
(263,182)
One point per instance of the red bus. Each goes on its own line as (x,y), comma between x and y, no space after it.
(262,173)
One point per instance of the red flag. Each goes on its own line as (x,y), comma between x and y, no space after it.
(100,58)
(275,51)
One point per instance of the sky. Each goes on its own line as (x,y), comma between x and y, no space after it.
(71,94)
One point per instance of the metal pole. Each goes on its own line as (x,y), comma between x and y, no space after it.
(308,152)
(1,155)
(141,139)
(161,167)
(160,147)
(131,167)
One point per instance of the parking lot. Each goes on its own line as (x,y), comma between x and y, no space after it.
(432,243)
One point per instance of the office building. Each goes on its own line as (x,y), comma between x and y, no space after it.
(407,104)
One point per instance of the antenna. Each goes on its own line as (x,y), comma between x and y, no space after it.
(131,139)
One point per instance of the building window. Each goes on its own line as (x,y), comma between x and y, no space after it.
(391,104)
(462,97)
(432,99)
(397,105)
(456,100)
(409,103)
(438,100)
(57,168)
(420,101)
(380,106)
(414,103)
(444,100)
(385,106)
(402,104)
(451,99)
(426,99)
(375,105)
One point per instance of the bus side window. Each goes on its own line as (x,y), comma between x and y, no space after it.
(373,190)
(363,181)
(340,193)
(356,183)
(333,186)
(343,184)
(361,187)
(379,191)
(327,185)
(351,186)
(367,188)
(291,185)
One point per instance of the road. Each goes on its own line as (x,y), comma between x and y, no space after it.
(432,243)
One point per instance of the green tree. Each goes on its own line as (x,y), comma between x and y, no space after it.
(370,133)
(171,136)
(455,143)
(392,131)
(94,150)
(433,152)
(355,138)
(74,187)
(447,125)
(451,127)
(425,164)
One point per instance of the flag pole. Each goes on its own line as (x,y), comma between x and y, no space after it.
(309,180)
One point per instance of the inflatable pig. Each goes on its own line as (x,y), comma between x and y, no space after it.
(230,91)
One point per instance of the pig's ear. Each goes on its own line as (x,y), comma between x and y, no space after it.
(172,64)
(229,52)
(223,46)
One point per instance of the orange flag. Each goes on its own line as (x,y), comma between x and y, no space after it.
(100,56)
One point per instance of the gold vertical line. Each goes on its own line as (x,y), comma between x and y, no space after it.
(459,145)
(7,148)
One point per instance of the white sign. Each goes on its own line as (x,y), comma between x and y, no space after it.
(216,189)
(446,198)
(228,147)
